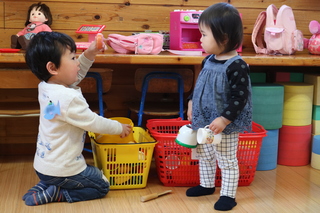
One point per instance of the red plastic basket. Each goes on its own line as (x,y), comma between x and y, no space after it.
(175,166)
(165,126)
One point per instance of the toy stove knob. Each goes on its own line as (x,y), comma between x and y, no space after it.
(186,18)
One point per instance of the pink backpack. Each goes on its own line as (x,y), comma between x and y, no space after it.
(143,43)
(280,32)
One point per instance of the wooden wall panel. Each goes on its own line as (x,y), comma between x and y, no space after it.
(123,17)
(295,4)
(1,15)
(117,17)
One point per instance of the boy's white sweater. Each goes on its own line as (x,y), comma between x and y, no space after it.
(60,140)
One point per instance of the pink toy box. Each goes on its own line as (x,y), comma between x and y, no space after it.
(92,31)
(184,30)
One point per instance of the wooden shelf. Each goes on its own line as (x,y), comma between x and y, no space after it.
(166,58)
(298,59)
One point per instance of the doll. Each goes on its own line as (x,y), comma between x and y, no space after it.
(39,19)
(313,44)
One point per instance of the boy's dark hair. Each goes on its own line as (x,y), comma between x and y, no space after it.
(45,47)
(44,9)
(225,23)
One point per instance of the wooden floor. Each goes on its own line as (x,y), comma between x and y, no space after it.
(284,189)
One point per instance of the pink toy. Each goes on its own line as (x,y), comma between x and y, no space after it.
(313,44)
(281,35)
(39,19)
(142,43)
(184,31)
(92,30)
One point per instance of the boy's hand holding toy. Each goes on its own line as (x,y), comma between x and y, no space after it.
(96,47)
(100,42)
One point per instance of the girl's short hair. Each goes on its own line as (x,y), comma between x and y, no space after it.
(47,47)
(225,23)
(44,9)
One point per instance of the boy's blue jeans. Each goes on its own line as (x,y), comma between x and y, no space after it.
(87,185)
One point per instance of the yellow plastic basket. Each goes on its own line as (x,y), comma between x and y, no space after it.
(126,165)
(105,138)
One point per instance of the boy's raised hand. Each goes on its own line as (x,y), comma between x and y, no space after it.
(96,47)
(100,44)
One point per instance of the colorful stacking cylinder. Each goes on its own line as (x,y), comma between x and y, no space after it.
(316,120)
(298,98)
(316,112)
(314,79)
(315,161)
(316,144)
(316,127)
(315,156)
(269,151)
(267,101)
(258,77)
(289,77)
(294,145)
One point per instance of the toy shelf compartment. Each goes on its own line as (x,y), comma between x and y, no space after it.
(174,164)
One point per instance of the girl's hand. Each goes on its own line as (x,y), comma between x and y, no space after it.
(219,124)
(189,111)
(126,129)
